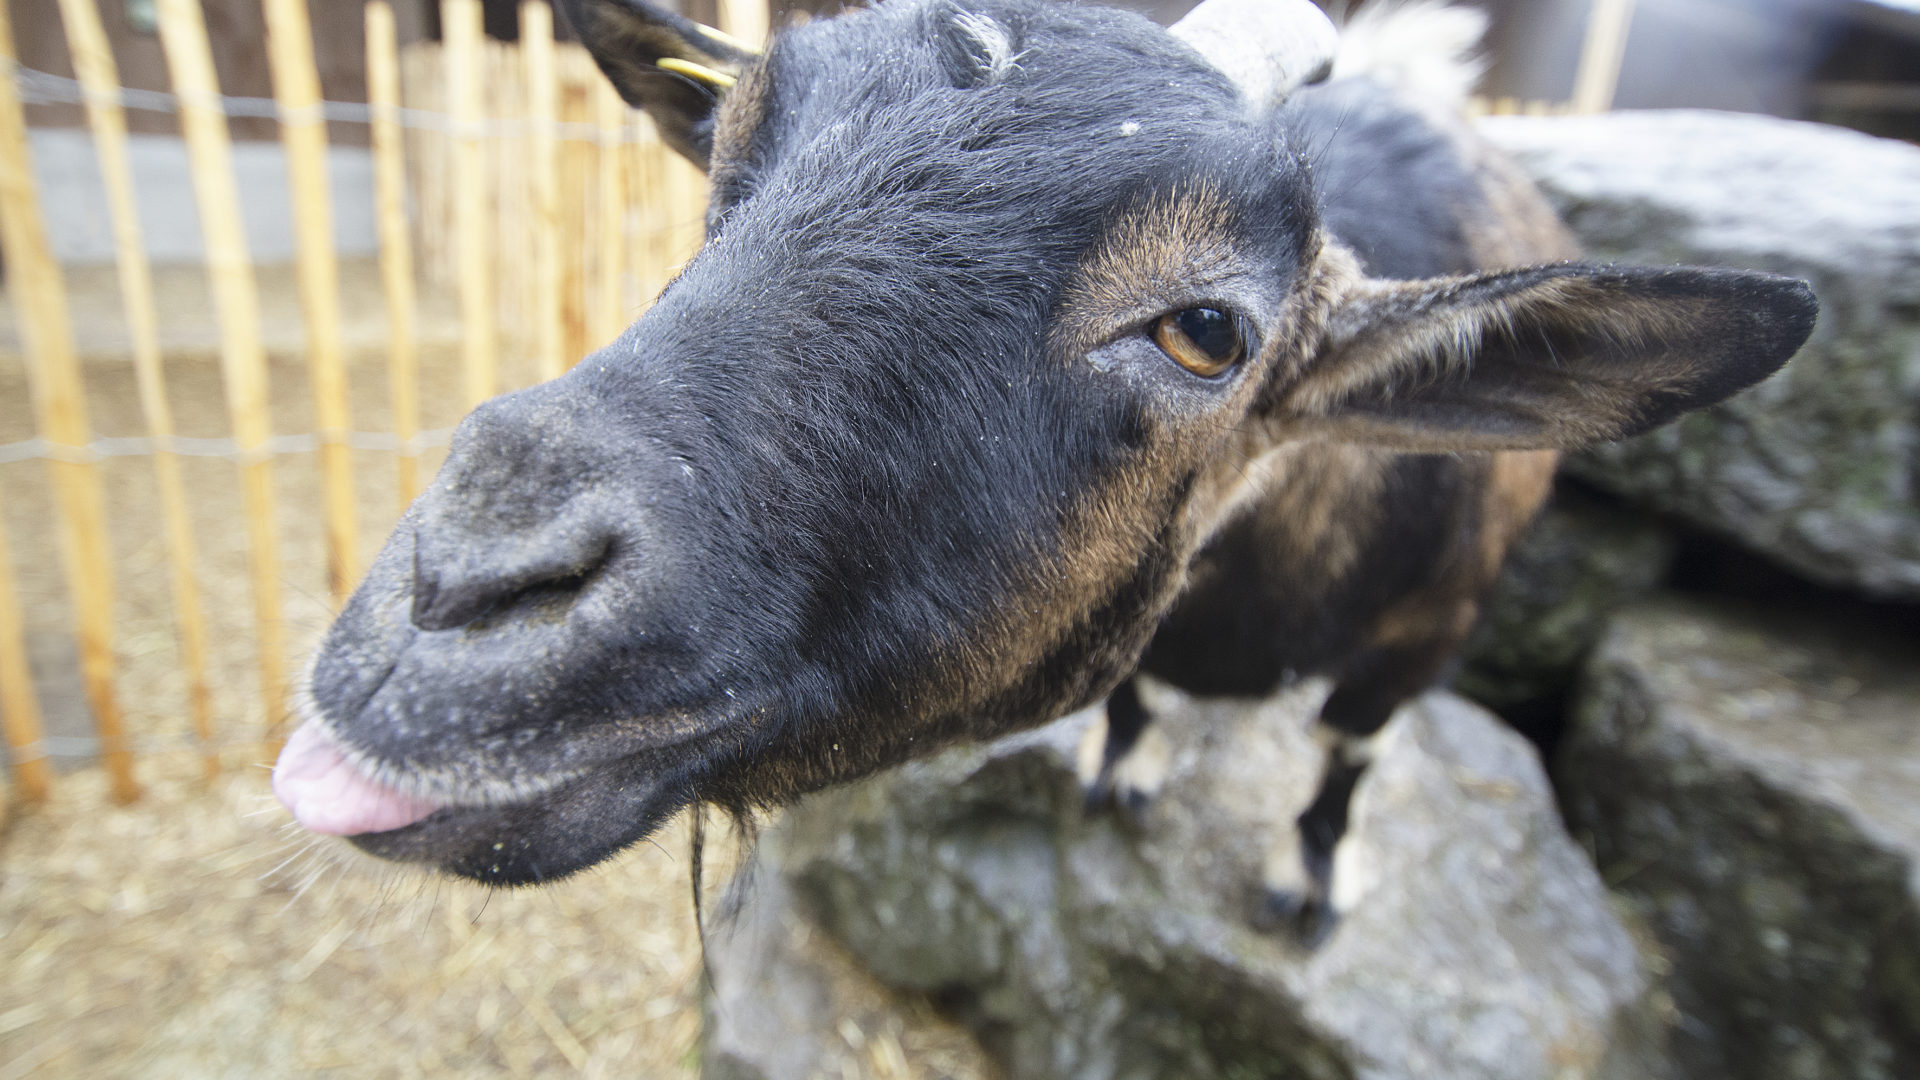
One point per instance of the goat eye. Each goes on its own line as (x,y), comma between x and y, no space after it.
(1202,340)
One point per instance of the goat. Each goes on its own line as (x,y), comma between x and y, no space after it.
(1031,346)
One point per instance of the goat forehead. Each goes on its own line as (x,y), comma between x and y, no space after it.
(904,244)
(973,209)
(1000,38)
(1072,94)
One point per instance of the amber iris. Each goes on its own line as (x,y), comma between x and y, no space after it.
(1202,340)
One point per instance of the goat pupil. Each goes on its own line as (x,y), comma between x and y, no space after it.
(1210,331)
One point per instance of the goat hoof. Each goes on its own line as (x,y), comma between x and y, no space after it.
(1315,924)
(1096,796)
(1279,908)
(1136,778)
(1305,918)
(1127,804)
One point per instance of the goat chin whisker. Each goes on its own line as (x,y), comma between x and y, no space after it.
(274,872)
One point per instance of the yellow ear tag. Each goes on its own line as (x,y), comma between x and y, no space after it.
(699,73)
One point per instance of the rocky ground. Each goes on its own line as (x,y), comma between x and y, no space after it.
(1750,783)
(1476,940)
(1818,467)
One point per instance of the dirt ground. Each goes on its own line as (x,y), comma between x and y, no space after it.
(167,939)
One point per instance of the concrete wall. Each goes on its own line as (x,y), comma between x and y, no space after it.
(76,203)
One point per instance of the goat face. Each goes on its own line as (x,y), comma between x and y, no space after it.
(996,303)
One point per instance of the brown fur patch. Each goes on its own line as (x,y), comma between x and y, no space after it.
(1323,497)
(741,112)
(1517,483)
(1102,542)
(1515,227)
(1167,248)
(1512,485)
(1104,538)
(1333,274)
(1509,224)
(1439,618)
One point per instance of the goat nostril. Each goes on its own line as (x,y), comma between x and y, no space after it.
(459,586)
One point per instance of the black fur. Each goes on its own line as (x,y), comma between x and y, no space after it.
(849,492)
(1249,621)
(1364,144)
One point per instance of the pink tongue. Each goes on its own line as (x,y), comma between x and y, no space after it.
(328,794)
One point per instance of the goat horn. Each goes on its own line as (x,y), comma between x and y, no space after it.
(699,73)
(1269,47)
(725,38)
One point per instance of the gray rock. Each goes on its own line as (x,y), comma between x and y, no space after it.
(787,1003)
(1477,940)
(1819,467)
(1755,792)
(1580,562)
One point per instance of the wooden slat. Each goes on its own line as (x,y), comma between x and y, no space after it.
(639,192)
(610,201)
(686,202)
(461,29)
(19,707)
(243,362)
(396,243)
(303,132)
(60,410)
(1601,55)
(423,86)
(543,113)
(93,63)
(577,78)
(511,209)
(747,20)
(649,172)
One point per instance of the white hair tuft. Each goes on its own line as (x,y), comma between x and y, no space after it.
(1428,50)
(996,43)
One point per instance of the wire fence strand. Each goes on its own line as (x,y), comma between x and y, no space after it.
(89,746)
(189,446)
(45,88)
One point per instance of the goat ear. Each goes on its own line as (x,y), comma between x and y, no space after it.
(665,63)
(1547,358)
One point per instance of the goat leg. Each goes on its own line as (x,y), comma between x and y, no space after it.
(1299,885)
(1123,762)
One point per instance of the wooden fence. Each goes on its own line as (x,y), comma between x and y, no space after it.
(512,175)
